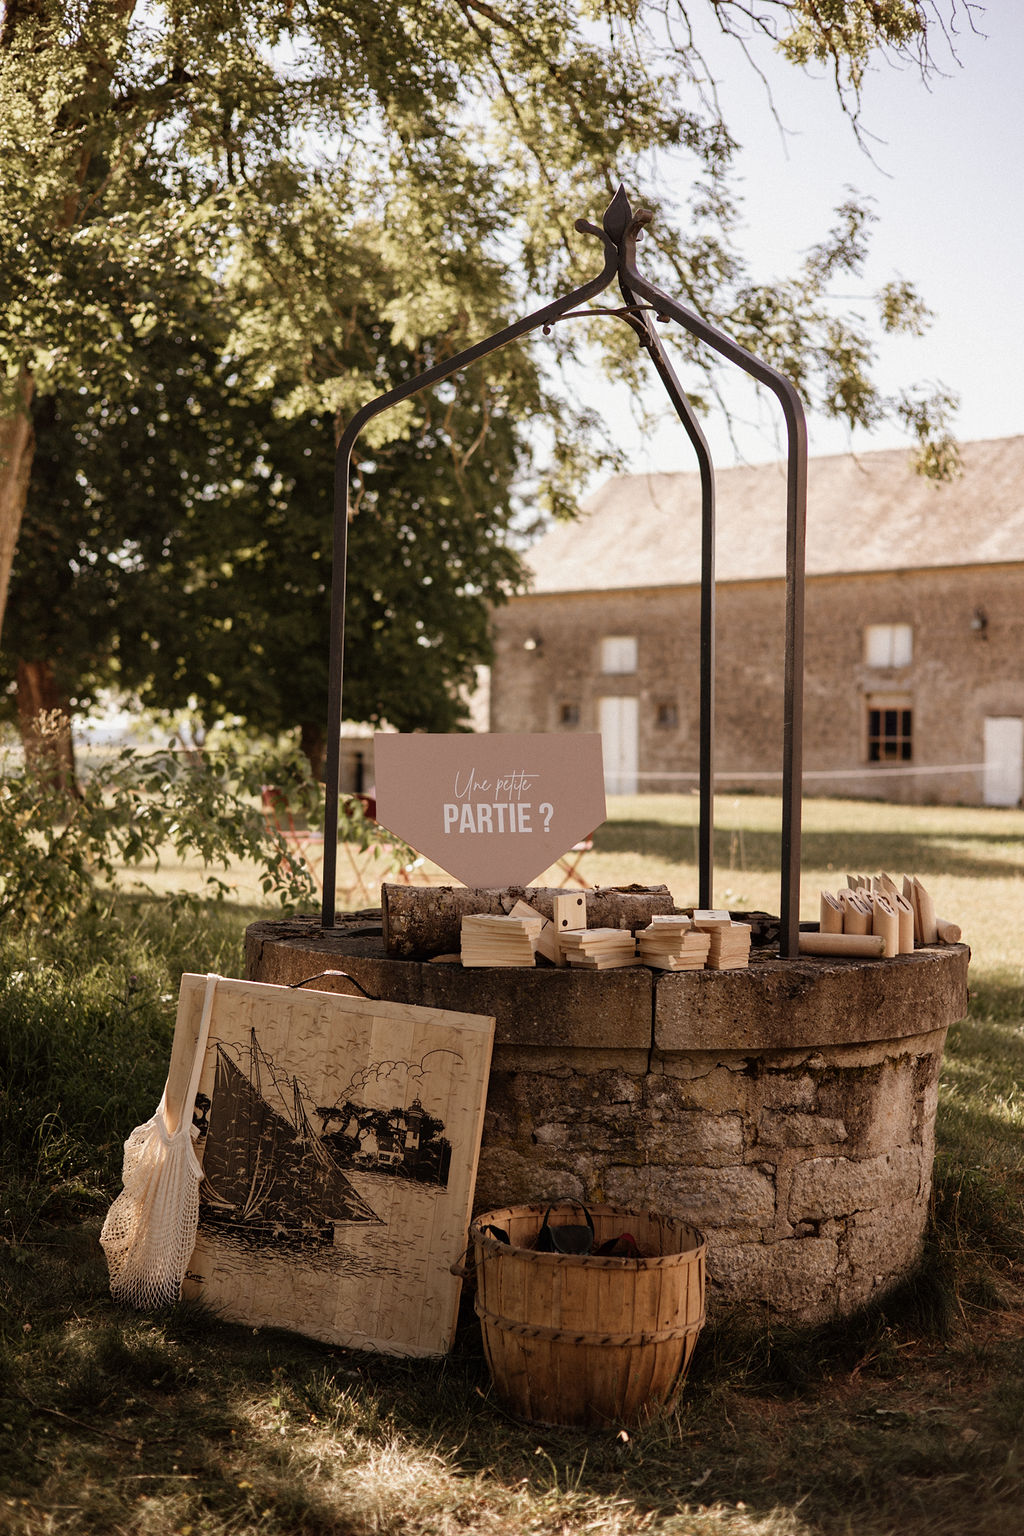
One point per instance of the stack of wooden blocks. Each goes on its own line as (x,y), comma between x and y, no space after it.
(488,939)
(673,944)
(599,949)
(522,935)
(730,942)
(588,949)
(669,942)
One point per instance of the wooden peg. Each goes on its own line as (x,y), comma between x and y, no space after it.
(831,913)
(925,907)
(846,946)
(885,922)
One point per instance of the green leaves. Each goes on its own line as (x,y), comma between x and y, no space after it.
(845,33)
(285,165)
(225,227)
(56,848)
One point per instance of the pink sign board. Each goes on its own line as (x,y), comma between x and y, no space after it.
(492,810)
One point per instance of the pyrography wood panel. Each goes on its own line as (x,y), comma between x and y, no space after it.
(382,1283)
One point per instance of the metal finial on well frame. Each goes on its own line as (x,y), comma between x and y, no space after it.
(645,302)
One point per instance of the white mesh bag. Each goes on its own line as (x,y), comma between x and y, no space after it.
(150,1230)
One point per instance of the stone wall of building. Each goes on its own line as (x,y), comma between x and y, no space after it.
(968,662)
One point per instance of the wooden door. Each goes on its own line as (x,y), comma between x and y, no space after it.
(620,729)
(1004,760)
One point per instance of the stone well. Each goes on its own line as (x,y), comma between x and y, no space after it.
(788,1109)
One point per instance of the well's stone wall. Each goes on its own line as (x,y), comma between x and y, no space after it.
(809,1170)
(788,1110)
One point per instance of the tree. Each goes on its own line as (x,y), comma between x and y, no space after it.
(251,637)
(324,198)
(202,576)
(114,479)
(454,142)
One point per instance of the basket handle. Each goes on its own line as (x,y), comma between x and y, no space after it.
(557,1240)
(347,976)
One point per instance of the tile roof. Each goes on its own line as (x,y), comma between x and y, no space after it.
(867,512)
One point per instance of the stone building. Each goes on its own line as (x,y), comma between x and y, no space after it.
(914,660)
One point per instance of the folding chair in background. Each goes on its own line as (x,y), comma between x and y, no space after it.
(569,863)
(307,842)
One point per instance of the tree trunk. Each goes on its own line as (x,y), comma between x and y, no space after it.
(44,719)
(313,743)
(101,37)
(17,446)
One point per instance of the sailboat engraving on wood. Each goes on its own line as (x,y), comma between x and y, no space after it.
(269,1179)
(339,1138)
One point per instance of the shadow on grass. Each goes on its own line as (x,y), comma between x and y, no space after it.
(758,851)
(226,1428)
(997,1007)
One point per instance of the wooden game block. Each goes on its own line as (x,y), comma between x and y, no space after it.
(911,895)
(599,948)
(488,939)
(603,962)
(924,907)
(546,943)
(711,918)
(730,947)
(570,911)
(857,913)
(569,914)
(905,913)
(673,949)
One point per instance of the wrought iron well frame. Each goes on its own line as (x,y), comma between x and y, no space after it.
(619,232)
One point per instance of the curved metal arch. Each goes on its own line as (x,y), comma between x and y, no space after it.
(796,524)
(342,468)
(619,233)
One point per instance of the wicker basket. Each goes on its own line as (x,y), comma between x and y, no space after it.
(574,1339)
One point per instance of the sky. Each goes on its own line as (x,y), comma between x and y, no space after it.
(945,176)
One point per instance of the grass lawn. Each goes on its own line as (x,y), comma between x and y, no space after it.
(908,1420)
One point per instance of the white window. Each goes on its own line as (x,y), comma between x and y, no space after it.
(618,653)
(888,645)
